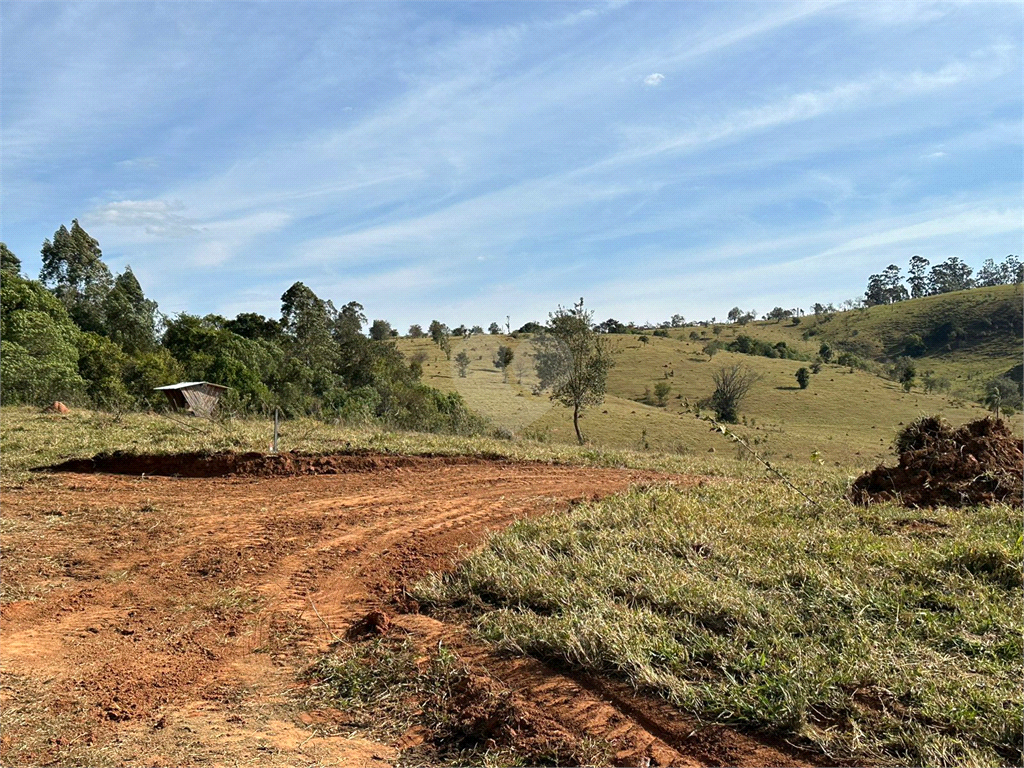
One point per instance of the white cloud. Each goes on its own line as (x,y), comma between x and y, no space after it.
(159,218)
(654,79)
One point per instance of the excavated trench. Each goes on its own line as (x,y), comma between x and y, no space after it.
(229,464)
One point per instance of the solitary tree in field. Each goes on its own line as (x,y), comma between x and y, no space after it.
(503,359)
(803,378)
(905,372)
(645,340)
(462,363)
(732,384)
(573,361)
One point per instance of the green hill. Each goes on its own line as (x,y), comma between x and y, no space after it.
(967,337)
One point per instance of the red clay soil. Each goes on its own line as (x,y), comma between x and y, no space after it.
(156,620)
(979,463)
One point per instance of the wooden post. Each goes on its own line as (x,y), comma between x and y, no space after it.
(277,412)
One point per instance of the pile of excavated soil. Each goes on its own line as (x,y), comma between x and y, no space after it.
(979,463)
(228,464)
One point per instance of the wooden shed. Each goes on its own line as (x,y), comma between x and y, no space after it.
(196,397)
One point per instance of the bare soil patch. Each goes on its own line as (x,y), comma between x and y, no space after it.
(979,463)
(162,615)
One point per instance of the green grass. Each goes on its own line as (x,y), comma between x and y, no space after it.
(881,635)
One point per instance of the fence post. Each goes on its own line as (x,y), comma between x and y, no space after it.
(277,412)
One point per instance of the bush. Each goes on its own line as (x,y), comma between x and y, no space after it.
(803,378)
(732,384)
(914,346)
(661,390)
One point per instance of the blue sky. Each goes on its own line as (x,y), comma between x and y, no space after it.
(471,161)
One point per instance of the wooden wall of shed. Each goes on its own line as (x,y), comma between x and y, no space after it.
(202,400)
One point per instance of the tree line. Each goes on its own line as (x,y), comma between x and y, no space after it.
(83,335)
(923,279)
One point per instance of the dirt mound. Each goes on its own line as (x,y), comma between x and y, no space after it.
(373,624)
(228,464)
(979,463)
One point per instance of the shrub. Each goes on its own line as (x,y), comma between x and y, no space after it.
(661,390)
(732,384)
(803,378)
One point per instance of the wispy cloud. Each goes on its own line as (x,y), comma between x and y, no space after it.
(412,159)
(159,218)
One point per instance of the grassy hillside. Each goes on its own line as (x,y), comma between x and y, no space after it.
(847,418)
(968,337)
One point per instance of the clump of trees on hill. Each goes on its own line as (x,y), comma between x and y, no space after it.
(951,275)
(83,335)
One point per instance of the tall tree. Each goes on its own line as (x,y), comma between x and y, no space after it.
(349,320)
(917,276)
(989,275)
(885,288)
(73,269)
(1013,270)
(573,361)
(129,317)
(308,322)
(950,275)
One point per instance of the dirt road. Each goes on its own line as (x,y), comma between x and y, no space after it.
(161,620)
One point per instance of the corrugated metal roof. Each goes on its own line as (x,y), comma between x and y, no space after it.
(187,384)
